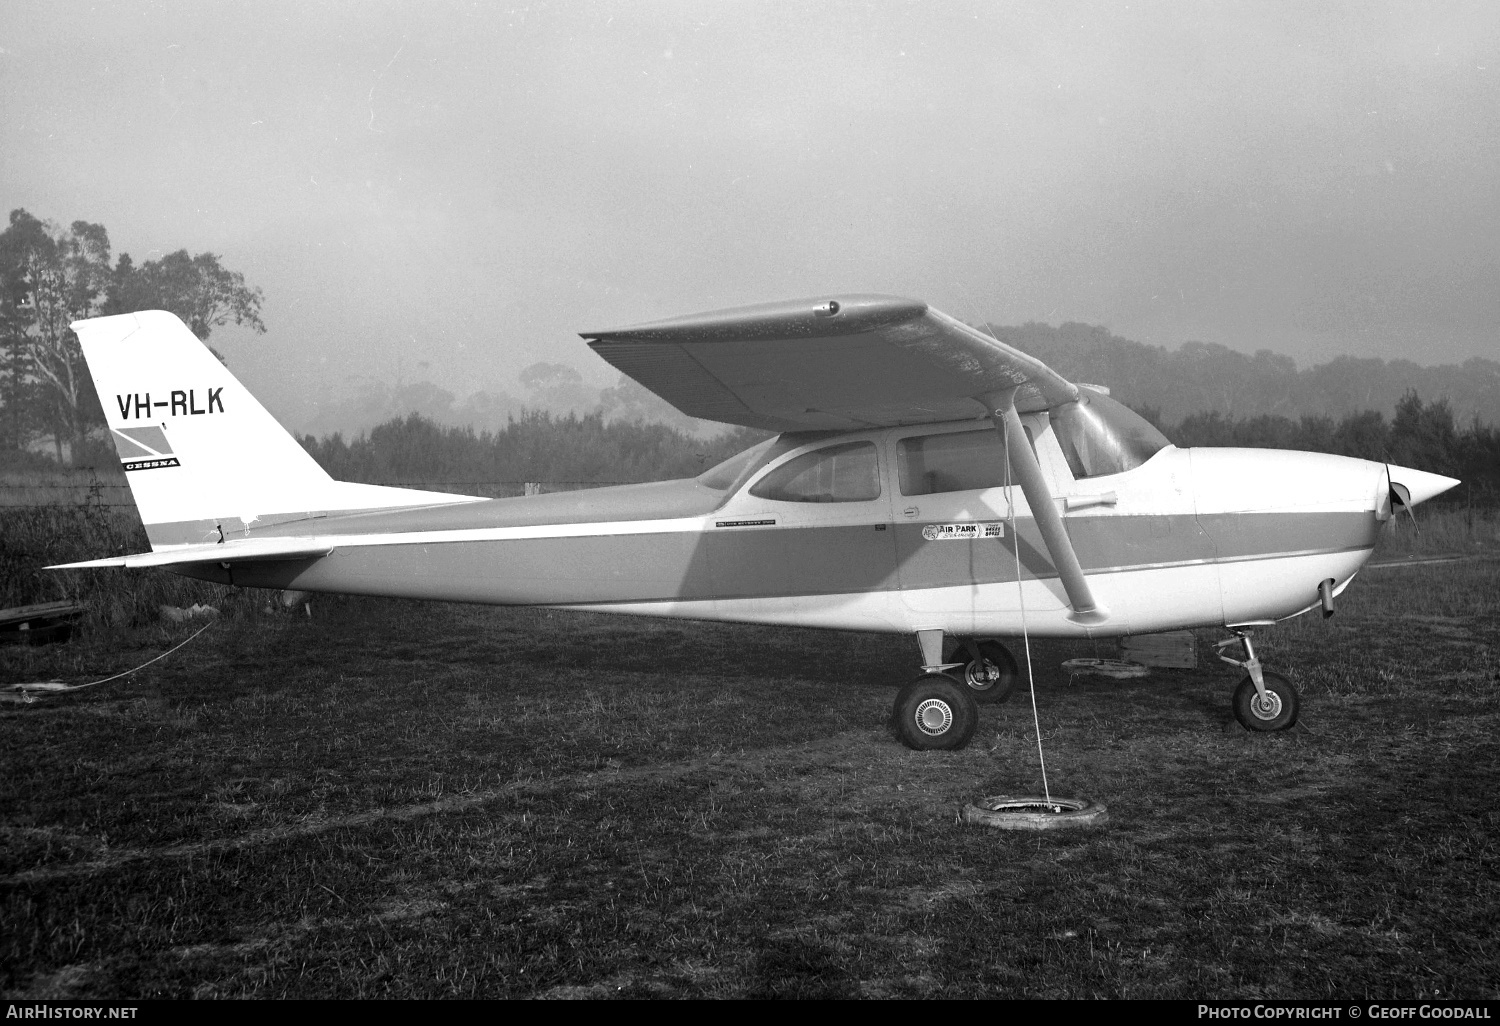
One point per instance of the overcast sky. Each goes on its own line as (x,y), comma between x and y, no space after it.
(469,185)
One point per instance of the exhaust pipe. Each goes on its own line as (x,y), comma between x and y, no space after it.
(1325,596)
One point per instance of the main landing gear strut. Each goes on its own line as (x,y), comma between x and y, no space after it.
(939,711)
(1264,700)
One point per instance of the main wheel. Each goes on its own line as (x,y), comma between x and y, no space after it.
(991,678)
(935,713)
(1277,712)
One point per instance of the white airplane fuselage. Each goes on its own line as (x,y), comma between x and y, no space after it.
(889,503)
(1190,538)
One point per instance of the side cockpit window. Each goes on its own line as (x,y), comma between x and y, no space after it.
(957,462)
(1100,436)
(839,473)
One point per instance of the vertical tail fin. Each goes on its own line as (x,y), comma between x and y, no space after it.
(200,452)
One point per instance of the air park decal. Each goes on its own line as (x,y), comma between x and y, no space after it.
(949,532)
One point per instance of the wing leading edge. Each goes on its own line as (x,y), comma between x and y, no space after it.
(836,363)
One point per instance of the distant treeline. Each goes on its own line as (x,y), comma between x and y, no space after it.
(572,452)
(557,452)
(1201,376)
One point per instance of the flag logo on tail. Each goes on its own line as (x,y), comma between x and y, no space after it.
(143,448)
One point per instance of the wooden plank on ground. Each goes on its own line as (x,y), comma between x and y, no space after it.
(40,611)
(1175,649)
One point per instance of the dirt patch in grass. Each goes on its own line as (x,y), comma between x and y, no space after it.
(406,800)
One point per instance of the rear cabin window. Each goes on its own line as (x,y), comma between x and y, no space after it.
(839,473)
(1100,436)
(957,462)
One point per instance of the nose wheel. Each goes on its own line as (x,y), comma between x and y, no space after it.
(1276,709)
(1263,701)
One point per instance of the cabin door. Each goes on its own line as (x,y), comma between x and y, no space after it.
(815,527)
(955,552)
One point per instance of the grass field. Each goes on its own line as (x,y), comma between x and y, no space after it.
(392,799)
(64,487)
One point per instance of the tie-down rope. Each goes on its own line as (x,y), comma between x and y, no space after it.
(1015,538)
(56,687)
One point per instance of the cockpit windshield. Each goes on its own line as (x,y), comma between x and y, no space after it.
(735,471)
(721,476)
(1100,436)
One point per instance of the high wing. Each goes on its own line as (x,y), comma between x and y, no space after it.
(835,363)
(851,362)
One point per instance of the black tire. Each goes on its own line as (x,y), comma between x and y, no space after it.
(1283,700)
(993,677)
(1034,812)
(935,713)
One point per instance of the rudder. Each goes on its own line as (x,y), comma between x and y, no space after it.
(201,454)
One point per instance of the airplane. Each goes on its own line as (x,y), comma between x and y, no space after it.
(925,479)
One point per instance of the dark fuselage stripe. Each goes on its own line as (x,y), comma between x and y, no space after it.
(780,562)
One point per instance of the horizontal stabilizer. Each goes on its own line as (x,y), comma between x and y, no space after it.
(245,551)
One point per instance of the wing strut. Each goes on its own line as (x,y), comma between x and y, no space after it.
(1001,407)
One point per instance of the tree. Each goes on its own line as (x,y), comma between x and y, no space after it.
(558,388)
(1423,435)
(20,408)
(1364,435)
(50,277)
(198,289)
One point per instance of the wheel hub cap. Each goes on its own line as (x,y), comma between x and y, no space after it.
(934,717)
(1267,707)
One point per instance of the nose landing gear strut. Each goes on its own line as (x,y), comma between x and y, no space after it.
(1263,701)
